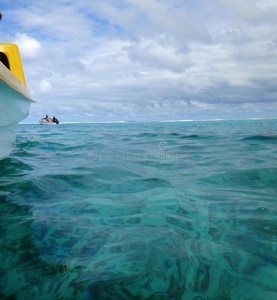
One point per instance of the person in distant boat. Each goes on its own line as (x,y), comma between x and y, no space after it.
(46,118)
(55,120)
(0,16)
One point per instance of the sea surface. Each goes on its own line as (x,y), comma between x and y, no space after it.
(173,210)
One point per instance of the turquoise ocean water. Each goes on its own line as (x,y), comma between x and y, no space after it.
(181,210)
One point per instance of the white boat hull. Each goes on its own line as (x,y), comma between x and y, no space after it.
(14,107)
(47,123)
(7,137)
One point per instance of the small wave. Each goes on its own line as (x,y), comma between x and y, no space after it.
(107,173)
(191,136)
(27,144)
(174,134)
(253,178)
(12,168)
(147,134)
(86,184)
(260,138)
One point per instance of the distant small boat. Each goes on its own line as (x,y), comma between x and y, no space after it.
(15,100)
(49,121)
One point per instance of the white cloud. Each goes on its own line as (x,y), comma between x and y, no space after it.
(252,11)
(45,87)
(66,108)
(145,59)
(202,105)
(29,47)
(160,55)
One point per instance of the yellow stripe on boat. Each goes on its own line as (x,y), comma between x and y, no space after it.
(9,56)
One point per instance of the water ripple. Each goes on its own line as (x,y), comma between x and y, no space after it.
(79,222)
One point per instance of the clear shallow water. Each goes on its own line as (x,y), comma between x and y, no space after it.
(140,211)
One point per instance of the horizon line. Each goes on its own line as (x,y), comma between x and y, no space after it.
(152,121)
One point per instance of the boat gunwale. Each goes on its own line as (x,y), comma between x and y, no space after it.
(12,81)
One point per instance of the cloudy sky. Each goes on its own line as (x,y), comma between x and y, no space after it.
(111,60)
